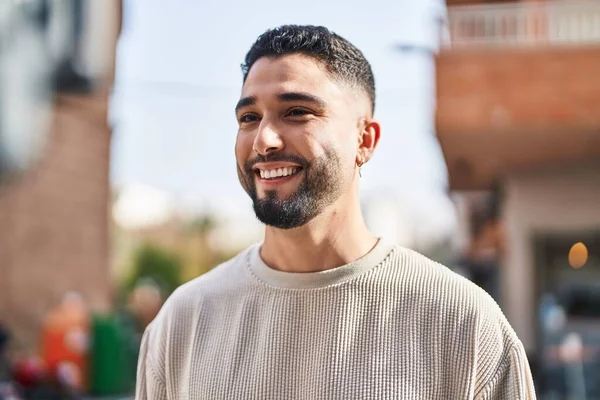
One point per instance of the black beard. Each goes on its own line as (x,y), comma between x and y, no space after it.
(321,185)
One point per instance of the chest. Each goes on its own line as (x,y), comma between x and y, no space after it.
(296,348)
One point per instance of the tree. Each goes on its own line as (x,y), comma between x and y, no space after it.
(153,262)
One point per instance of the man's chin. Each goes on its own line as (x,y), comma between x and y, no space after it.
(280,215)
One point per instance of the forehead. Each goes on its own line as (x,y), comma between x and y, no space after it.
(290,73)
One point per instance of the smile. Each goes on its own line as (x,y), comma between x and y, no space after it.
(275,173)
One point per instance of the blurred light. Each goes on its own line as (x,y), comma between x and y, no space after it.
(578,255)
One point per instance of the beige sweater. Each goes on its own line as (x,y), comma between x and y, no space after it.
(392,325)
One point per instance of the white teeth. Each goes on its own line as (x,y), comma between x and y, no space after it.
(276,173)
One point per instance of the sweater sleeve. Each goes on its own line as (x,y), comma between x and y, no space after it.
(149,386)
(512,380)
(502,368)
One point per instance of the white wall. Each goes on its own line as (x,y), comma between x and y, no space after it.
(550,200)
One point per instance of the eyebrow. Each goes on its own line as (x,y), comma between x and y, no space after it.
(245,102)
(303,97)
(284,97)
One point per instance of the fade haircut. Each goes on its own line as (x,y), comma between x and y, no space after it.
(343,61)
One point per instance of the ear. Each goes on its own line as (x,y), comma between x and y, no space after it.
(367,140)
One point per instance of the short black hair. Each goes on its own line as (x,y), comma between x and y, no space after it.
(341,58)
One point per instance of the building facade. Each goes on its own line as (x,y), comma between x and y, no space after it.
(55,214)
(518,119)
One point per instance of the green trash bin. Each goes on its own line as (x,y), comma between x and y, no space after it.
(113,355)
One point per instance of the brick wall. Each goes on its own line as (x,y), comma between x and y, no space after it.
(503,110)
(505,89)
(54,220)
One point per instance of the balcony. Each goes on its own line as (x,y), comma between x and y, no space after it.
(518,86)
(525,24)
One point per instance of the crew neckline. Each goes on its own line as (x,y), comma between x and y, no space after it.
(313,280)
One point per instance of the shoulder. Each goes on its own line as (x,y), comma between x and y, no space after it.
(463,306)
(181,309)
(225,277)
(451,295)
(433,282)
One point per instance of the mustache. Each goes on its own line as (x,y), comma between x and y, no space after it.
(275,157)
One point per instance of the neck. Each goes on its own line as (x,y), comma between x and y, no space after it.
(334,238)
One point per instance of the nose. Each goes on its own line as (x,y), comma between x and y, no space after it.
(267,140)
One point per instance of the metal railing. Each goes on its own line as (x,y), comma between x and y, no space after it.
(566,22)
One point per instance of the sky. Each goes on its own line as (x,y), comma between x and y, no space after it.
(178,79)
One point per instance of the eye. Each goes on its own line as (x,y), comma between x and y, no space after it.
(298,112)
(247,118)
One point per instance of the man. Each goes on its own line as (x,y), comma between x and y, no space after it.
(322,309)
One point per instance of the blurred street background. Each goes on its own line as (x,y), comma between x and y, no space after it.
(118,180)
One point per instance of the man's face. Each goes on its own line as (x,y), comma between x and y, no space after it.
(297,139)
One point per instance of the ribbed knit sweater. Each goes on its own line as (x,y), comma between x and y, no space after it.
(391,325)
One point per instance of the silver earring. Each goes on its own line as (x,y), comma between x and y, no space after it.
(360,164)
